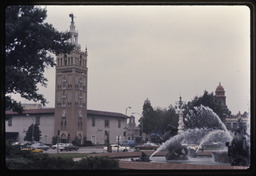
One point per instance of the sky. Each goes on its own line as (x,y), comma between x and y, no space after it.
(159,53)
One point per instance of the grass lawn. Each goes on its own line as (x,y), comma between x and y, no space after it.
(68,155)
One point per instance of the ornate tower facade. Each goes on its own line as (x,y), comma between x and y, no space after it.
(220,96)
(71,92)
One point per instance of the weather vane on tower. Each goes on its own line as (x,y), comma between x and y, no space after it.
(72,17)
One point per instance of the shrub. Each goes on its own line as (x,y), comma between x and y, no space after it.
(24,160)
(97,163)
(33,161)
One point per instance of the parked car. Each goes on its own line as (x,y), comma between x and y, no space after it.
(69,147)
(114,148)
(129,143)
(40,146)
(16,143)
(147,146)
(32,150)
(60,145)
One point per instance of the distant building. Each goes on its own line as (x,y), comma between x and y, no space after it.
(133,132)
(27,106)
(220,96)
(232,122)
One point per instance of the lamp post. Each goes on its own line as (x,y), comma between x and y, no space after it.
(179,108)
(126,122)
(32,127)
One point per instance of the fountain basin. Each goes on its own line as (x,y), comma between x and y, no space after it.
(173,166)
(159,162)
(221,157)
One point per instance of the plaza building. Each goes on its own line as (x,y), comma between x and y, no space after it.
(98,124)
(71,92)
(70,120)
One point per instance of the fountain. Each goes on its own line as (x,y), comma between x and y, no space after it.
(143,158)
(204,131)
(204,127)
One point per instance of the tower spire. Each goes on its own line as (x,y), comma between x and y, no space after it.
(74,34)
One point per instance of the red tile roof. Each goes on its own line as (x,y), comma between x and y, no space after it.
(104,113)
(52,111)
(33,111)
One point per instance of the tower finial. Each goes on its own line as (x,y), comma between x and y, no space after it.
(72,17)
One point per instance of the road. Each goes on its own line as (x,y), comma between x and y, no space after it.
(81,150)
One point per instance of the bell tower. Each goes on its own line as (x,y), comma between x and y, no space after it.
(71,92)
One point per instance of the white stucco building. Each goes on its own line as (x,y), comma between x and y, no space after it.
(98,123)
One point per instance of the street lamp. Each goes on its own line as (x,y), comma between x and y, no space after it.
(32,127)
(180,108)
(129,107)
(126,110)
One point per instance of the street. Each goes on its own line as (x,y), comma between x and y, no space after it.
(81,150)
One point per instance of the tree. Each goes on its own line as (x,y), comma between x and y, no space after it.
(207,100)
(148,119)
(29,46)
(157,120)
(33,132)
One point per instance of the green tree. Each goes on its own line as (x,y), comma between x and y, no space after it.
(148,118)
(208,100)
(33,130)
(157,120)
(29,47)
(170,118)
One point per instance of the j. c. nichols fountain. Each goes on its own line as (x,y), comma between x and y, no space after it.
(179,142)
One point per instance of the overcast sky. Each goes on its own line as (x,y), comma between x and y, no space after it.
(159,53)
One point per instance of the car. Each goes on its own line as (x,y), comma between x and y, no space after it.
(32,150)
(68,147)
(40,146)
(16,143)
(129,143)
(147,146)
(116,147)
(60,145)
